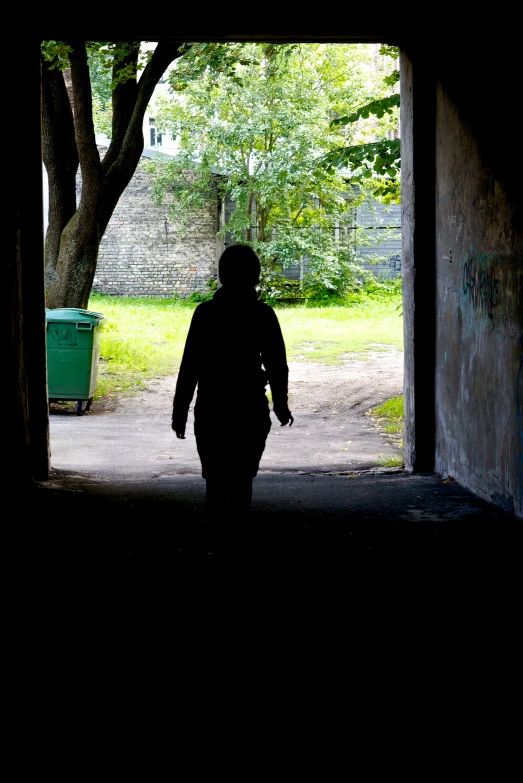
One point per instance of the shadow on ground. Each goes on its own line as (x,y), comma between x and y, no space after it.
(382,546)
(303,517)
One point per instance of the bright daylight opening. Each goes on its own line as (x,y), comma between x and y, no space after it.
(291,149)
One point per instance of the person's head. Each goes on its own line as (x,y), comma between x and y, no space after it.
(239,265)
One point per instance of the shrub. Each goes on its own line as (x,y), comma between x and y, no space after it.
(197,297)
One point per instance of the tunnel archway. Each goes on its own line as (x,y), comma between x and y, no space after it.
(461,206)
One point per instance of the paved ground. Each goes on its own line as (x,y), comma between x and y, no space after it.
(125,492)
(383,550)
(332,431)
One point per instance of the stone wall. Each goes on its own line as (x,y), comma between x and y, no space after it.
(144,252)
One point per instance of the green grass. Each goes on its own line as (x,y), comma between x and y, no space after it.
(389,460)
(329,334)
(143,338)
(389,415)
(389,418)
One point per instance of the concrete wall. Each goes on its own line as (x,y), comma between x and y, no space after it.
(462,273)
(479,307)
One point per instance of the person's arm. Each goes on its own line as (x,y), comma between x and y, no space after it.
(274,359)
(187,377)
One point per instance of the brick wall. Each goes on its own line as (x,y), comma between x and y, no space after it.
(144,252)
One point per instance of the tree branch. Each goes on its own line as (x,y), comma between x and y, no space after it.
(58,139)
(121,161)
(123,101)
(83,118)
(60,157)
(130,148)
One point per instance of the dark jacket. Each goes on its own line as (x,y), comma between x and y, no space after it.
(234,348)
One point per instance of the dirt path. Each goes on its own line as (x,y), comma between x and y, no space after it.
(355,383)
(332,432)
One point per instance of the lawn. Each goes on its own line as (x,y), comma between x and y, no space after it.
(143,338)
(330,334)
(389,419)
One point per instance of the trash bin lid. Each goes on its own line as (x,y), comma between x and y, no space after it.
(74,315)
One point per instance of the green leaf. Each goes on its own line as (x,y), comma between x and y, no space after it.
(377,108)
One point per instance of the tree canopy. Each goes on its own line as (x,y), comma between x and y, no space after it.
(283,128)
(284,131)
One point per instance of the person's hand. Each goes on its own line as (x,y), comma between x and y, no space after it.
(179,429)
(283,415)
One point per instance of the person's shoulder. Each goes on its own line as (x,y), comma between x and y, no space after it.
(202,308)
(267,313)
(265,308)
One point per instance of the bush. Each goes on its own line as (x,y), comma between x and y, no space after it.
(197,297)
(349,290)
(376,290)
(278,289)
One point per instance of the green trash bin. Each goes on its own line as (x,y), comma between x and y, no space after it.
(73,353)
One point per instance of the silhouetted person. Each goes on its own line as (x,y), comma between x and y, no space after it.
(234,348)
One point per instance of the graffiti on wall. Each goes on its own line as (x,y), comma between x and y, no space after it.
(481,283)
(490,317)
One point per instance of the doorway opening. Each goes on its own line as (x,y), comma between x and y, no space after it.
(334,253)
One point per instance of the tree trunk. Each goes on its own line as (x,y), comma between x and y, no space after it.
(76,263)
(74,233)
(61,161)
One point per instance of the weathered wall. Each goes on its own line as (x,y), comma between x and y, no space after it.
(144,252)
(408,276)
(479,345)
(462,222)
(418,241)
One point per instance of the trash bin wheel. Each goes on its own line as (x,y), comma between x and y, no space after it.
(89,403)
(80,407)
